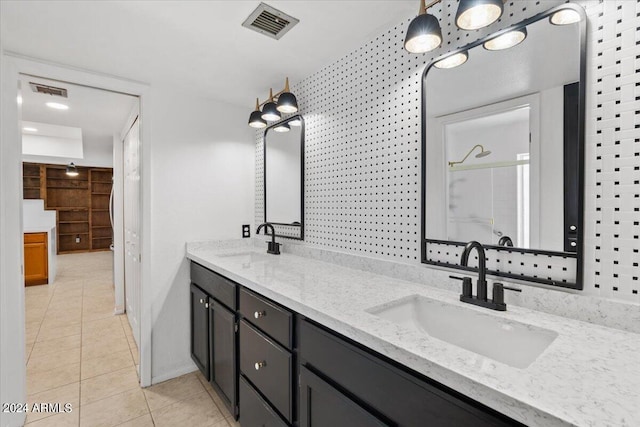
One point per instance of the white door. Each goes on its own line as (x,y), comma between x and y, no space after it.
(132,228)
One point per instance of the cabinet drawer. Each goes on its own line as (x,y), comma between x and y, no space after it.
(270,318)
(268,366)
(401,397)
(219,287)
(35,237)
(255,412)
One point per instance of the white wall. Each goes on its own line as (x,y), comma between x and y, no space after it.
(12,326)
(98,152)
(202,187)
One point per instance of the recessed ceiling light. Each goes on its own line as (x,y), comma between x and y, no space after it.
(28,129)
(453,60)
(57,106)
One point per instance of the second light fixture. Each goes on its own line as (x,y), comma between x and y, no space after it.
(282,102)
(424,33)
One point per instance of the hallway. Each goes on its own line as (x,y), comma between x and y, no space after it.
(78,352)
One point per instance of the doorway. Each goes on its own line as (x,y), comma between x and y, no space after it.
(77,158)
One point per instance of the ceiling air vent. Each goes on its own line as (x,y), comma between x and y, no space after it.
(49,90)
(270,21)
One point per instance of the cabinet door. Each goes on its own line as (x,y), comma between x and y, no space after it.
(200,329)
(35,259)
(223,363)
(322,405)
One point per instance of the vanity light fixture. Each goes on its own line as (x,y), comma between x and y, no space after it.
(453,60)
(287,102)
(476,14)
(282,102)
(506,40)
(72,170)
(255,119)
(57,106)
(564,17)
(424,33)
(270,111)
(282,127)
(295,122)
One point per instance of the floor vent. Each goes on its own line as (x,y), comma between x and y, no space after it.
(49,90)
(270,21)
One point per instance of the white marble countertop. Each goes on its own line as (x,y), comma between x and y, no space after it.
(589,376)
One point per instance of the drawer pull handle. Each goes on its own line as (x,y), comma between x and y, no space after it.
(201,301)
(206,305)
(260,365)
(259,314)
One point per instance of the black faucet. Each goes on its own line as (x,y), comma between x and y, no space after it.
(497,303)
(505,241)
(272,247)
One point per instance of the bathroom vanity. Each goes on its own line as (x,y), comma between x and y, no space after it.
(312,343)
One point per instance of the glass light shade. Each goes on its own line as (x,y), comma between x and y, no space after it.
(423,35)
(565,17)
(287,103)
(72,170)
(270,112)
(506,40)
(475,14)
(453,60)
(282,127)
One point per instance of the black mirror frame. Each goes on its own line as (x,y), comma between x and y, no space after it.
(264,176)
(579,163)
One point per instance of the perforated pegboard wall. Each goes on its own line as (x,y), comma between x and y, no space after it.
(362,119)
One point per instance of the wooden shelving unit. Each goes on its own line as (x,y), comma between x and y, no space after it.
(101,231)
(32,181)
(81,203)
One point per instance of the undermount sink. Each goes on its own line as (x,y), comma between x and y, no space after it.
(513,343)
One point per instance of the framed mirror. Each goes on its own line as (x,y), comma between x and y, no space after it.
(503,144)
(284,177)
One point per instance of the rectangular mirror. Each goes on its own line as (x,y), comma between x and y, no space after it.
(284,177)
(503,132)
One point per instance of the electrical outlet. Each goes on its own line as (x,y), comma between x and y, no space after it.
(246,231)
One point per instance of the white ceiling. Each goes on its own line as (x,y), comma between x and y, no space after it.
(195,45)
(99,113)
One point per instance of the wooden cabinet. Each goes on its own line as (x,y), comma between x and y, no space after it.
(200,329)
(36,268)
(323,405)
(82,203)
(214,332)
(223,355)
(294,372)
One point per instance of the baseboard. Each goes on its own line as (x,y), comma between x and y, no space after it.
(174,374)
(118,310)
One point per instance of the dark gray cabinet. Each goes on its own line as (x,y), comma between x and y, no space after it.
(322,405)
(200,329)
(255,412)
(214,332)
(223,361)
(275,368)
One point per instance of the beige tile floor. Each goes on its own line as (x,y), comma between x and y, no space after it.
(79,352)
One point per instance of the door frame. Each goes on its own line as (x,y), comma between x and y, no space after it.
(11,221)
